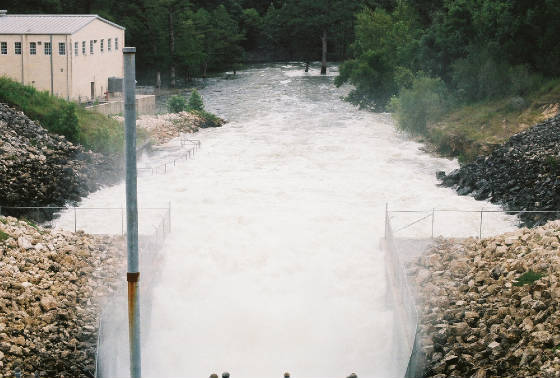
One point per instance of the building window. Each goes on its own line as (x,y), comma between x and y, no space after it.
(48,48)
(109,44)
(76,48)
(4,48)
(32,48)
(17,48)
(101,45)
(61,48)
(116,43)
(91,47)
(84,47)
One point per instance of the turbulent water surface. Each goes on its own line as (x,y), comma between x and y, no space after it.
(273,264)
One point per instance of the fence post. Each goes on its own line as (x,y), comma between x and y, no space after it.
(169,216)
(75,220)
(433,215)
(122,221)
(386,218)
(480,229)
(133,273)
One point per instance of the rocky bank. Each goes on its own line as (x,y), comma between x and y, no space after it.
(521,174)
(53,286)
(163,127)
(490,307)
(42,169)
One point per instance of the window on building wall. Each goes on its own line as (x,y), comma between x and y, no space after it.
(48,48)
(76,48)
(32,48)
(84,47)
(91,47)
(109,44)
(116,43)
(101,45)
(17,48)
(61,48)
(4,48)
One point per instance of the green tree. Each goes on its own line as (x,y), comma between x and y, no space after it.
(195,102)
(384,55)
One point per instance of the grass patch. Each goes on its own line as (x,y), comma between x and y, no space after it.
(31,223)
(528,278)
(93,130)
(4,236)
(471,130)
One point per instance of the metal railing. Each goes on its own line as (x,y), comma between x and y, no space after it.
(162,168)
(406,342)
(482,214)
(53,213)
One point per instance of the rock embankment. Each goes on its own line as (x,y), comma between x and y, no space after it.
(42,169)
(164,127)
(490,307)
(521,174)
(52,288)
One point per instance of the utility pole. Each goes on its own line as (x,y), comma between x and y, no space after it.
(133,273)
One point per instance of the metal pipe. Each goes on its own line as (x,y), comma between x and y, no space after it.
(133,273)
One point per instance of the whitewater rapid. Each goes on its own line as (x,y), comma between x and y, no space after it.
(273,262)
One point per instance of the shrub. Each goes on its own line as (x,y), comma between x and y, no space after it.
(176,104)
(424,102)
(195,102)
(209,119)
(528,278)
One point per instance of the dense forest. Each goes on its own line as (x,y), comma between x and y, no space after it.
(180,39)
(415,57)
(419,58)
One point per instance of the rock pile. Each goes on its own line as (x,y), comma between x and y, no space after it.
(490,308)
(164,127)
(522,174)
(41,169)
(53,285)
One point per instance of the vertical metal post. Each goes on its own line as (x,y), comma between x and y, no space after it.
(386,218)
(133,273)
(433,214)
(122,221)
(75,220)
(480,229)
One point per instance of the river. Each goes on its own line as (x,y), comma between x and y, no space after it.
(273,264)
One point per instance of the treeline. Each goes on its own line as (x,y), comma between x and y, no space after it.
(419,58)
(180,39)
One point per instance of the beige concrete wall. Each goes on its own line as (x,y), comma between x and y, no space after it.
(71,75)
(145,104)
(36,69)
(96,68)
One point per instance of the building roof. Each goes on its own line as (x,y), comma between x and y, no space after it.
(47,23)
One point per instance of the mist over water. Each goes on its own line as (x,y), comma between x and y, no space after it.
(273,262)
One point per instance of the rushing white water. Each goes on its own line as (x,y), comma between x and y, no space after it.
(273,264)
